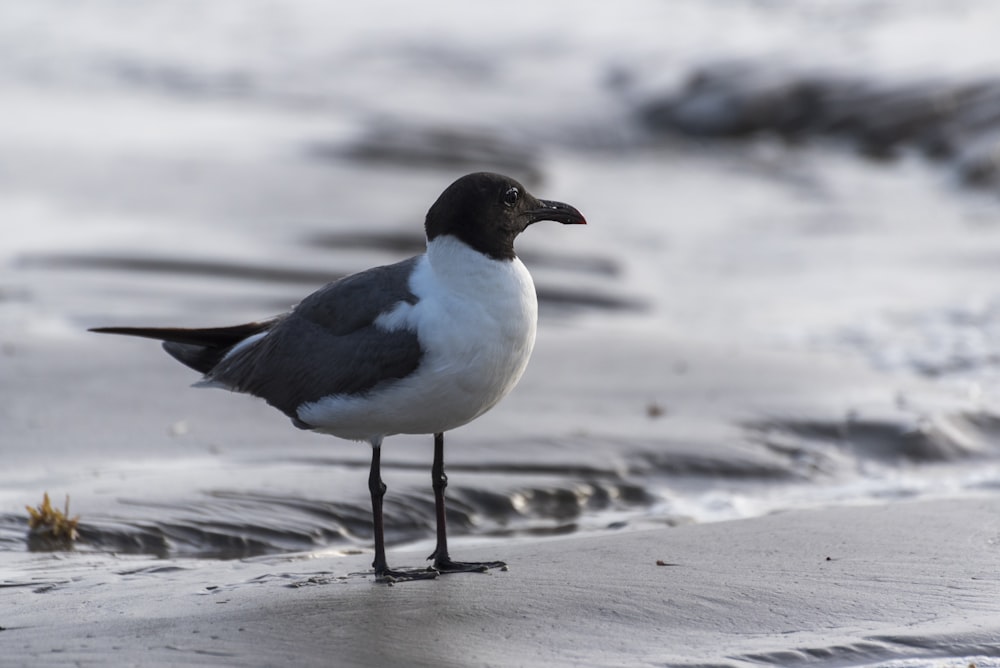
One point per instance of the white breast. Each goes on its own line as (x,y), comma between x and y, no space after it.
(476,320)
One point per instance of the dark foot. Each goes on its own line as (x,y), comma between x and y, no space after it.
(390,576)
(449,566)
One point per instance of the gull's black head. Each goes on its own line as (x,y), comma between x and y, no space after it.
(487,212)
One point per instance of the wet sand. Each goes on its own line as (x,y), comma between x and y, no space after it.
(846,586)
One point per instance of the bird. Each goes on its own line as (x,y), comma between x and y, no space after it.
(421,346)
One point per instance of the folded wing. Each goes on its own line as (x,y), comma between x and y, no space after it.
(327,345)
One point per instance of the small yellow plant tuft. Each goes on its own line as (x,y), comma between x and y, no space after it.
(50,528)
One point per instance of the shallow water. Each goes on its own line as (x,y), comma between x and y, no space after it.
(745,326)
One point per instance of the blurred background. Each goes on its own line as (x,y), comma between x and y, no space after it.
(786,295)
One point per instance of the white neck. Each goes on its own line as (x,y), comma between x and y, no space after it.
(462,268)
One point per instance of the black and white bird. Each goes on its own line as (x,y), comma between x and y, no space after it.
(418,347)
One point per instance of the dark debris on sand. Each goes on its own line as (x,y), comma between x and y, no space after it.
(950,121)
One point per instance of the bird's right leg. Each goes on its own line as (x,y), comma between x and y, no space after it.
(377,489)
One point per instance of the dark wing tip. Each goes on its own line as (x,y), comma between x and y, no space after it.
(110,330)
(200,349)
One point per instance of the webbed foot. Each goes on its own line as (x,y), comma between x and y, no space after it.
(446,565)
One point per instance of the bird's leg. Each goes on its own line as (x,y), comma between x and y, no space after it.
(443,562)
(377,488)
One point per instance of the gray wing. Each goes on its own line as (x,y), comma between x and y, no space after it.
(329,344)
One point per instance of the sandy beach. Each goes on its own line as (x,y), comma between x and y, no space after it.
(880,581)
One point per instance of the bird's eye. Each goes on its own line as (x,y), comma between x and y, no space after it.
(511,196)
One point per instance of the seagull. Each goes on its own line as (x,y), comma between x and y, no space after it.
(422,346)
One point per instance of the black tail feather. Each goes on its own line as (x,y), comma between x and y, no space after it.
(200,349)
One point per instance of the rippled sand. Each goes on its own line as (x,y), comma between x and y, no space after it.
(890,586)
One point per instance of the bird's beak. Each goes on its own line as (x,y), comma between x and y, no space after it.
(557,211)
